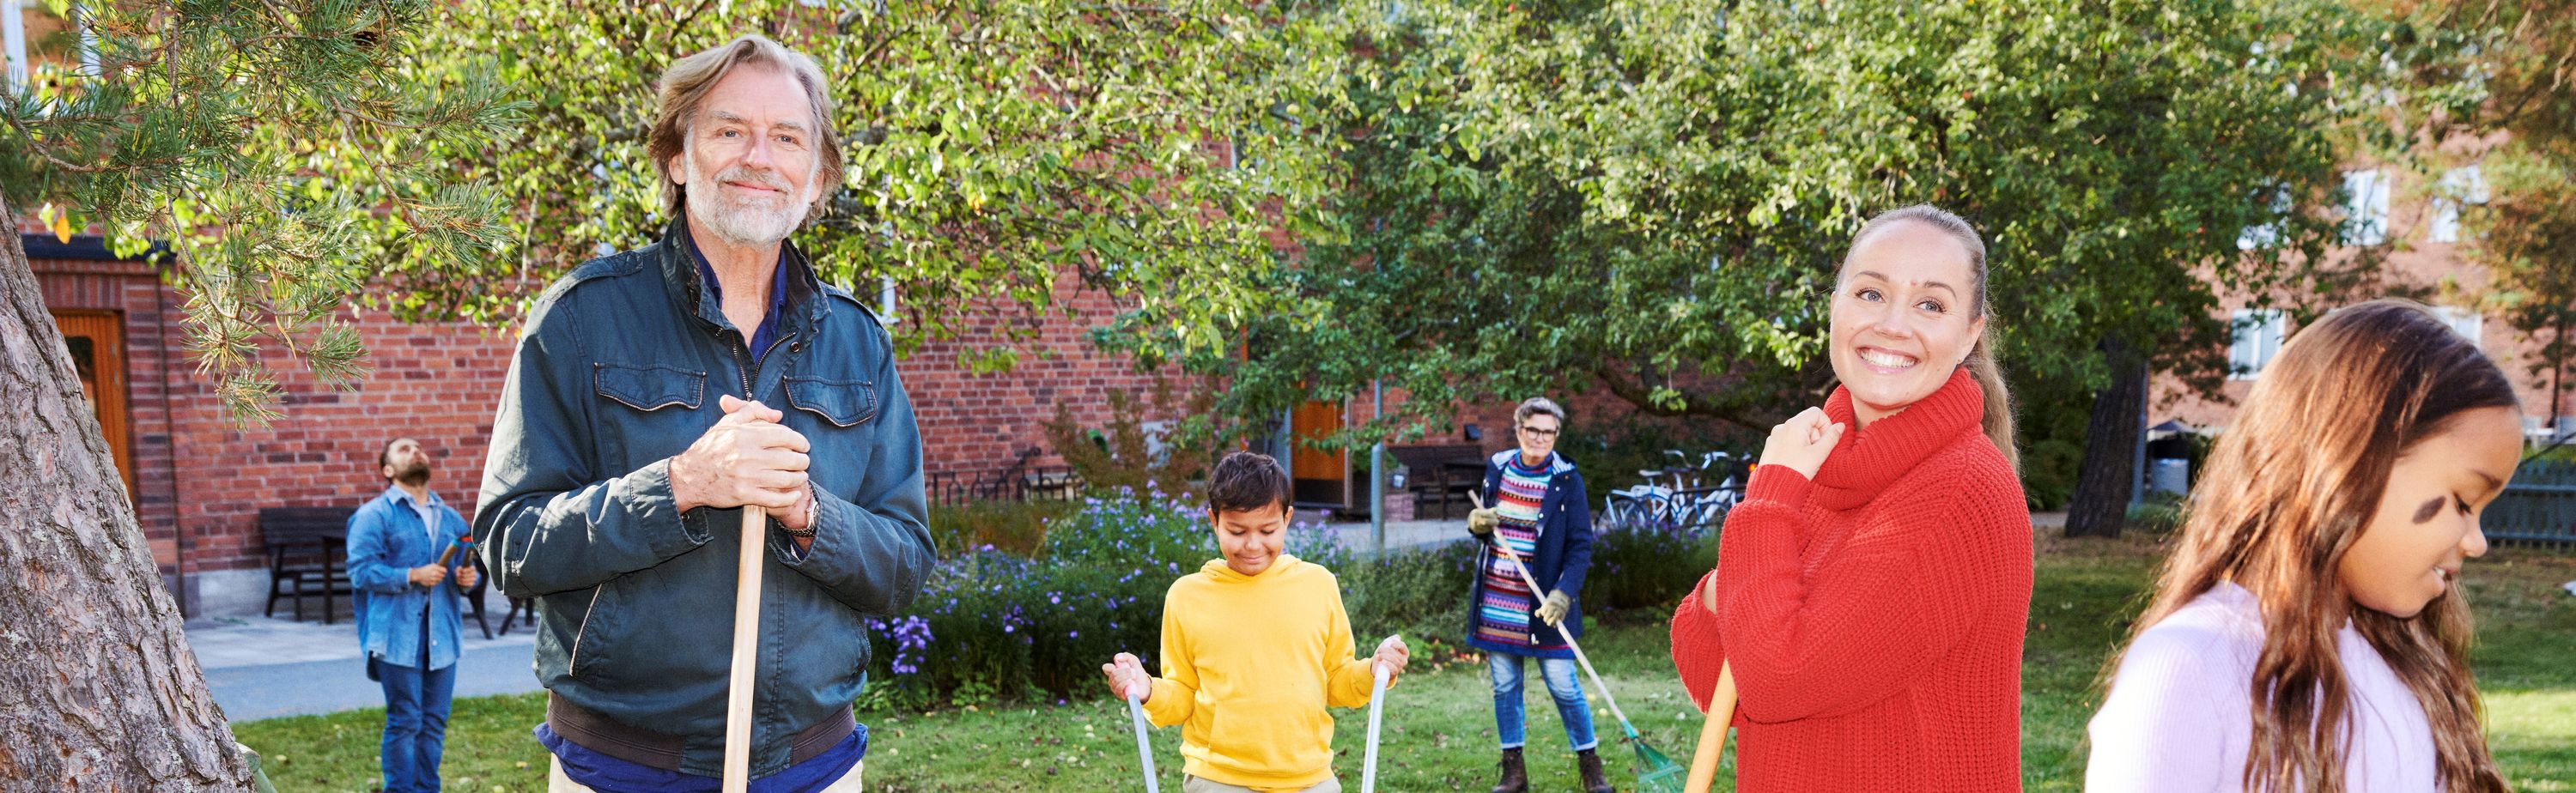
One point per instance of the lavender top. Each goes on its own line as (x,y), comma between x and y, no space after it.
(2179,714)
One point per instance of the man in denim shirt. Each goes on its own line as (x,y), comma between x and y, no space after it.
(407,610)
(657,392)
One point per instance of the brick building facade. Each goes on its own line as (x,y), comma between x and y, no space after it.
(2417,227)
(198,482)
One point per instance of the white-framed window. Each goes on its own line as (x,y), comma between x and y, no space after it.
(2460,186)
(2365,207)
(2257,340)
(2265,235)
(885,299)
(2277,201)
(2465,321)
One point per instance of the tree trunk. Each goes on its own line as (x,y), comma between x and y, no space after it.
(100,691)
(2101,503)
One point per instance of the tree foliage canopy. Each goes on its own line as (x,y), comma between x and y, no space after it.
(2496,79)
(995,150)
(1652,195)
(260,142)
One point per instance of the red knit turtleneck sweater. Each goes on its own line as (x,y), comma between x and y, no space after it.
(1875,614)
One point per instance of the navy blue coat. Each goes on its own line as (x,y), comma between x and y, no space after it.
(1564,550)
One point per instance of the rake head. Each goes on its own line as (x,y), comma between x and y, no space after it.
(1655,772)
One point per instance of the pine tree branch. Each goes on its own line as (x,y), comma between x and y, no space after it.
(42,150)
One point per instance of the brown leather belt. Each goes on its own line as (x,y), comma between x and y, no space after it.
(650,749)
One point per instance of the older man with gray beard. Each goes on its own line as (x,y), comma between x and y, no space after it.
(658,392)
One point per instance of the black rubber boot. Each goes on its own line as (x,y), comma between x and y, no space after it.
(1593,781)
(1515,776)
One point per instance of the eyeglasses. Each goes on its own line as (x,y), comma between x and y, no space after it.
(1539,432)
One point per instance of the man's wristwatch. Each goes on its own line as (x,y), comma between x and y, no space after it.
(811,504)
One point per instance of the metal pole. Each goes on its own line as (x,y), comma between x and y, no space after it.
(1377,472)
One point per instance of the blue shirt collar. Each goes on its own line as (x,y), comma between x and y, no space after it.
(715,288)
(396,493)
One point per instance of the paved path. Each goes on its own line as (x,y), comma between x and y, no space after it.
(1402,535)
(262,668)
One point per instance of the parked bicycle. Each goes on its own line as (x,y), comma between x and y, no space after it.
(1679,496)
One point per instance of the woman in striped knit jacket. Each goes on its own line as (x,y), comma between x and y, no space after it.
(1871,589)
(1535,507)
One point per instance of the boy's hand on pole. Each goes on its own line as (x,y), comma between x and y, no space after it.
(1393,655)
(1127,677)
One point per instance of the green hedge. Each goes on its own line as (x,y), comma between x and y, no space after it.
(1036,621)
(991,624)
(1647,567)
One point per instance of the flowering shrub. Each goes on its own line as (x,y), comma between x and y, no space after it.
(992,624)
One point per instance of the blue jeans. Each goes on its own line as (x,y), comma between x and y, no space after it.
(415,724)
(1505,669)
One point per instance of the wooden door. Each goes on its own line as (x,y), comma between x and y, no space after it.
(1321,477)
(96,340)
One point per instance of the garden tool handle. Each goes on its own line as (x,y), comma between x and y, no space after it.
(1579,658)
(450,553)
(746,650)
(1377,699)
(1144,749)
(1712,736)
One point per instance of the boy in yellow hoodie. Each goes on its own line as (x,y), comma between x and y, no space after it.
(1255,646)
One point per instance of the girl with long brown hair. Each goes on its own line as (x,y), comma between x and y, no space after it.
(2307,634)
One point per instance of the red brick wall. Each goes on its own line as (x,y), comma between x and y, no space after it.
(436,383)
(439,383)
(973,423)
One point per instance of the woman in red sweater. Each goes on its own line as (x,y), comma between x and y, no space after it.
(1871,589)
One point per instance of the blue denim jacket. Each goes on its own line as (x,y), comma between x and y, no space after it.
(618,370)
(387,540)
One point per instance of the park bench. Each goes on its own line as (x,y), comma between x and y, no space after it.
(308,554)
(1441,473)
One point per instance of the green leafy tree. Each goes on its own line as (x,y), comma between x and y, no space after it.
(301,155)
(1001,154)
(161,142)
(2501,76)
(1650,197)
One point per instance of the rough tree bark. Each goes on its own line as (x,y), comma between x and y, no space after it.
(2100,506)
(102,692)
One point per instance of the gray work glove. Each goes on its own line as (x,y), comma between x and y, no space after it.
(1481,521)
(1554,609)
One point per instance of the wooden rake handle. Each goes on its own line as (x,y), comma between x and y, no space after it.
(746,647)
(1712,735)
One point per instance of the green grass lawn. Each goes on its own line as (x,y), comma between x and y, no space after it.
(1440,733)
